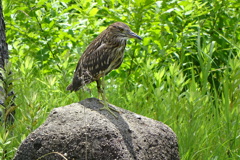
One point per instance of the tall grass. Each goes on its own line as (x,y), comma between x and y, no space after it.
(185,72)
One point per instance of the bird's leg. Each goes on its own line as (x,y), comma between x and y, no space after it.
(101,91)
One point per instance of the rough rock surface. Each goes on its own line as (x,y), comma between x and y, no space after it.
(80,131)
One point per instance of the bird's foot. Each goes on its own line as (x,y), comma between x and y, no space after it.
(109,109)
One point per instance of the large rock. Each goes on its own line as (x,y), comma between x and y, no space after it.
(81,131)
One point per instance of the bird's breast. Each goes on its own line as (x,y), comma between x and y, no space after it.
(116,59)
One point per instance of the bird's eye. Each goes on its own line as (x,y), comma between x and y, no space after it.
(121,29)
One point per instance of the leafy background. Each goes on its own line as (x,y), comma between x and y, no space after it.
(185,72)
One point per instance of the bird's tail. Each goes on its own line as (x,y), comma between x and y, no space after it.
(75,85)
(70,87)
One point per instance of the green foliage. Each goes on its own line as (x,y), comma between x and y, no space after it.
(185,72)
(7,106)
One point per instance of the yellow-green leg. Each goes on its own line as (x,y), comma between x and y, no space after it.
(101,91)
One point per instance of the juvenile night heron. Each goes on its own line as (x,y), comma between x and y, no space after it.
(104,54)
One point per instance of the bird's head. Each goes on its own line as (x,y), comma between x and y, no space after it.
(121,30)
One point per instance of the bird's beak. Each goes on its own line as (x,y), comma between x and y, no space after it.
(131,34)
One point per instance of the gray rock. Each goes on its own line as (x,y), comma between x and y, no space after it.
(81,131)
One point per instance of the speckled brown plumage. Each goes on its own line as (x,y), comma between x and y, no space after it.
(104,54)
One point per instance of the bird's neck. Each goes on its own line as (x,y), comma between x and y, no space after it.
(118,41)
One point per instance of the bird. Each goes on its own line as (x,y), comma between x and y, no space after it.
(104,54)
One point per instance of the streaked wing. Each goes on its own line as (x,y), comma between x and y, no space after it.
(101,61)
(96,64)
